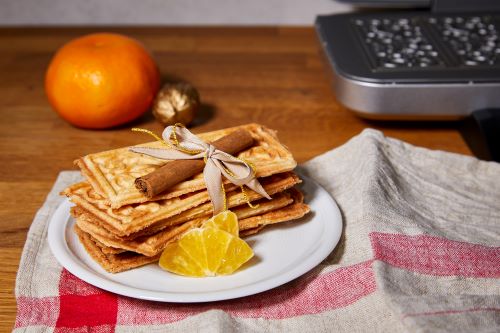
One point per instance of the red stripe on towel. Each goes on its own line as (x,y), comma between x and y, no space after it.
(315,294)
(33,311)
(71,285)
(85,306)
(436,256)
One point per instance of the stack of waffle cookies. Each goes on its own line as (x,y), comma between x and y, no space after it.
(122,229)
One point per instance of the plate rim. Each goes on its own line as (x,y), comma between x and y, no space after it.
(65,256)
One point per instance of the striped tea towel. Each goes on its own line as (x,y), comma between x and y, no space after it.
(420,252)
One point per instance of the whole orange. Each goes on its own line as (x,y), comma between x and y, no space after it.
(101,80)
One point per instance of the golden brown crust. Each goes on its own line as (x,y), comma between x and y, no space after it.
(153,244)
(112,173)
(250,232)
(148,245)
(291,212)
(107,249)
(127,260)
(113,263)
(124,261)
(131,219)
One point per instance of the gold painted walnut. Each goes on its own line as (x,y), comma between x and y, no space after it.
(176,103)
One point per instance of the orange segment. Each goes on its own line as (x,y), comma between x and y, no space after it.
(237,253)
(226,220)
(216,244)
(209,250)
(193,244)
(176,260)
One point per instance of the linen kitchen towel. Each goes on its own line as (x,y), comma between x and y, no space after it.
(420,252)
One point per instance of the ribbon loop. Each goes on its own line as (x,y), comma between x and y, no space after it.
(186,145)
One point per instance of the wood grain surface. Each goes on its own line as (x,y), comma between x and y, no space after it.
(273,76)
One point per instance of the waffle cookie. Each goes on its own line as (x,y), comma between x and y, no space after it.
(113,263)
(112,173)
(122,229)
(291,212)
(131,219)
(123,261)
(153,244)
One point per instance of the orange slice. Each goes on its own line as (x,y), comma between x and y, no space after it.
(214,249)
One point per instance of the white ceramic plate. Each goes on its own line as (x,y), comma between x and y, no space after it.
(282,253)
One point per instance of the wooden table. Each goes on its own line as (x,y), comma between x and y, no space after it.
(273,76)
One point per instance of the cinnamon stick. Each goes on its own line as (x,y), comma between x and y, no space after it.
(177,171)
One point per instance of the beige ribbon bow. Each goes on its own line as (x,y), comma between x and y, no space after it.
(217,163)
